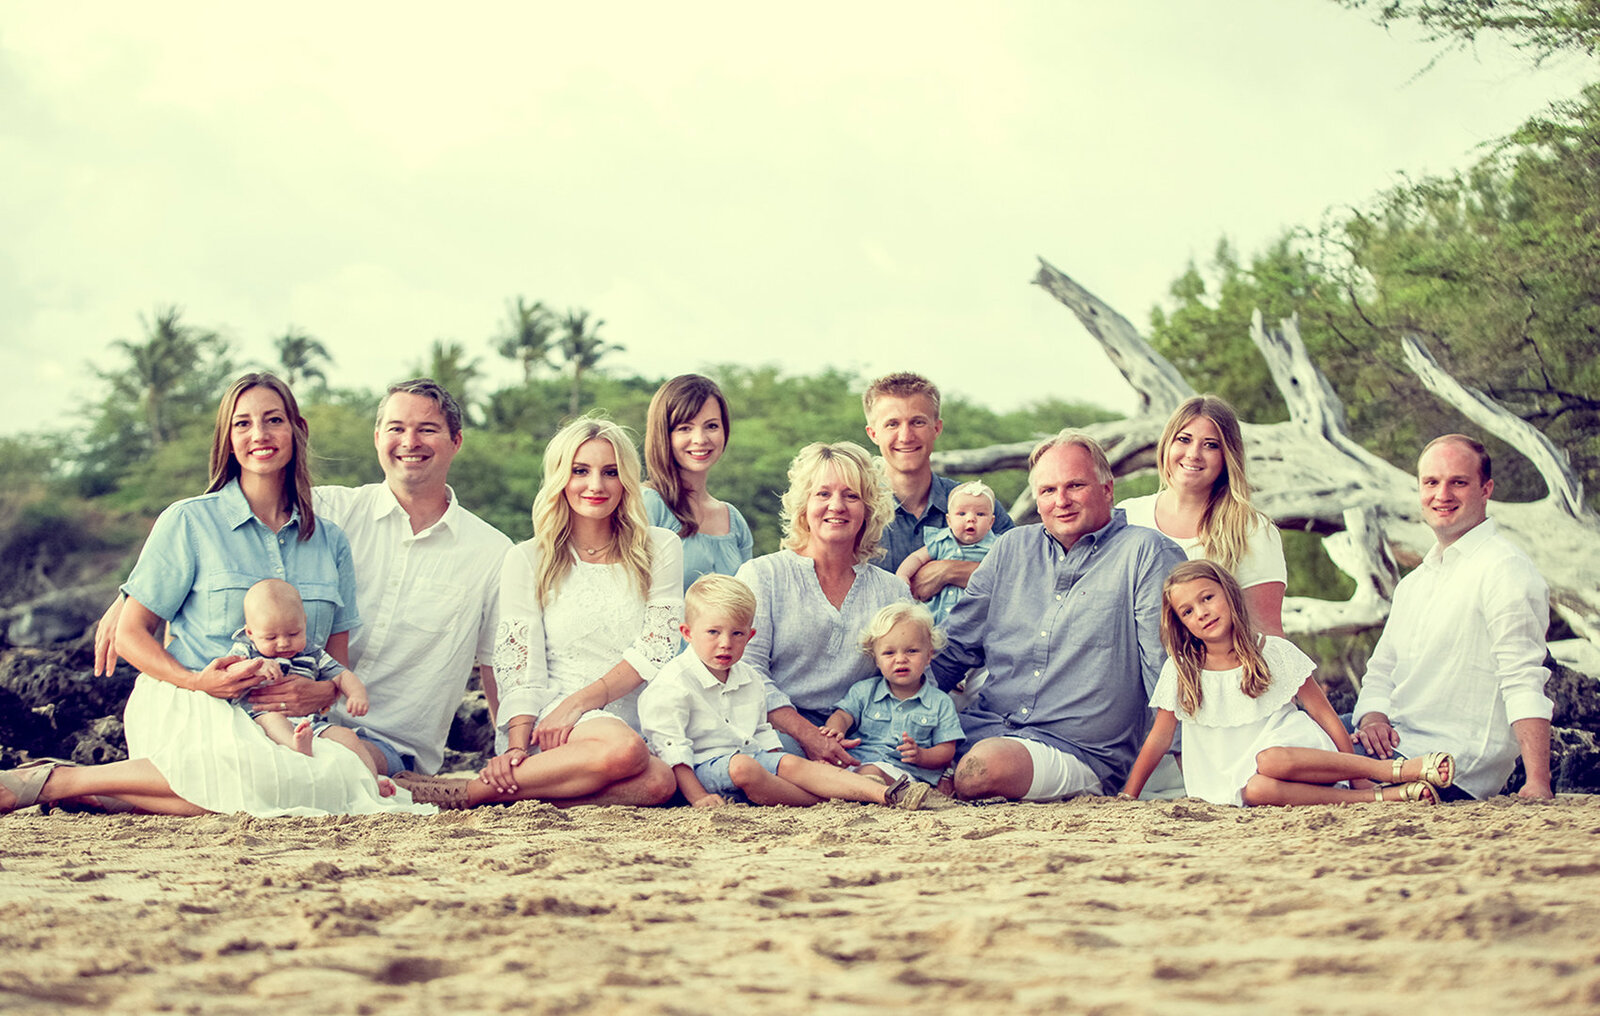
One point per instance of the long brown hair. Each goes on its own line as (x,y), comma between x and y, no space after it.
(1229,518)
(1188,653)
(676,402)
(224,467)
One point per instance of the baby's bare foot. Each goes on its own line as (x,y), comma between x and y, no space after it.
(385,787)
(303,737)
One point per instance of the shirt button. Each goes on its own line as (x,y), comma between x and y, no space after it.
(1035,673)
(1044,634)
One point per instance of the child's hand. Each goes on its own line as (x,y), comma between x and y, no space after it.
(711,801)
(271,671)
(830,733)
(356,705)
(910,754)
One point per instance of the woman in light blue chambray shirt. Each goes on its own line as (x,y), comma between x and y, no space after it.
(190,749)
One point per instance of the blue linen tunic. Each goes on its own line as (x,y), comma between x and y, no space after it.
(205,553)
(704,553)
(1072,640)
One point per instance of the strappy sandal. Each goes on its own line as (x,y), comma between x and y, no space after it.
(449,795)
(26,782)
(1433,765)
(906,794)
(1426,793)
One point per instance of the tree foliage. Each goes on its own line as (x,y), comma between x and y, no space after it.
(301,357)
(582,348)
(527,336)
(1541,28)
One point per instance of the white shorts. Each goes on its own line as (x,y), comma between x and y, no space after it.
(1056,774)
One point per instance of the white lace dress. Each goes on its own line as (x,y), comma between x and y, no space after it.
(1221,740)
(598,618)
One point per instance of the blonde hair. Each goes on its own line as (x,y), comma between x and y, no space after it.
(1073,438)
(552,516)
(973,488)
(899,385)
(1229,518)
(857,470)
(724,593)
(1188,653)
(893,614)
(675,402)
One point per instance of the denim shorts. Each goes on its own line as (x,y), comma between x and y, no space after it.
(713,774)
(393,760)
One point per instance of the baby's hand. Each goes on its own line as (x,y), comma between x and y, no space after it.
(711,801)
(271,671)
(909,752)
(356,705)
(829,732)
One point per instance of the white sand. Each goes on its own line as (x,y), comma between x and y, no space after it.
(1089,906)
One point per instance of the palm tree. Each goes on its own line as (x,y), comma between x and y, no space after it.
(527,336)
(159,366)
(582,348)
(448,365)
(298,354)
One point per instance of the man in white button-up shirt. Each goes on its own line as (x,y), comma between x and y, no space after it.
(1460,665)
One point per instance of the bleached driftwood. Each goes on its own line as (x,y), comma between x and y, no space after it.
(1310,474)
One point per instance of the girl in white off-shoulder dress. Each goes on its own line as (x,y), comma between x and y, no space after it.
(589,612)
(1240,696)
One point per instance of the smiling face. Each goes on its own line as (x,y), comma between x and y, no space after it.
(970,518)
(717,639)
(698,443)
(1201,606)
(904,429)
(1194,457)
(260,434)
(903,655)
(834,513)
(1455,498)
(1072,499)
(414,443)
(594,487)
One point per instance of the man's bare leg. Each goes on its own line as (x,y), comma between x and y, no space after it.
(995,767)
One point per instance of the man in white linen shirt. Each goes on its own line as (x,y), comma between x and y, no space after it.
(1460,664)
(427,585)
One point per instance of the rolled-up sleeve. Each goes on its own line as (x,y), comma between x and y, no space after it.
(1518,616)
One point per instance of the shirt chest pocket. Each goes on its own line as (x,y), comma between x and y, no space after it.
(322,602)
(224,606)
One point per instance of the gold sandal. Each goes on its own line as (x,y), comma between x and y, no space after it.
(1426,793)
(1433,765)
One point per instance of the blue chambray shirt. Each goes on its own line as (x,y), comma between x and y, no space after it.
(906,533)
(1072,640)
(204,553)
(929,717)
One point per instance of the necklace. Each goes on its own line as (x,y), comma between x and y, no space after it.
(596,551)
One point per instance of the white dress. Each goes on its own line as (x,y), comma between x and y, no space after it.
(598,618)
(1221,741)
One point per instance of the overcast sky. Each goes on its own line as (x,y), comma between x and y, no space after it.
(856,185)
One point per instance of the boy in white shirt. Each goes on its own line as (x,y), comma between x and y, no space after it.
(705,714)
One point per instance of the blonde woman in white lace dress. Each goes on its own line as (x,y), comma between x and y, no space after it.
(589,611)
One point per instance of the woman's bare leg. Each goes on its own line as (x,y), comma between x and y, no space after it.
(1266,790)
(598,754)
(136,781)
(1313,765)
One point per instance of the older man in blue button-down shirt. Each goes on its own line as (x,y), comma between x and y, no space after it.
(1066,616)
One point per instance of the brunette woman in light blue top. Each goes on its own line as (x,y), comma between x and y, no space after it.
(190,750)
(686,432)
(814,597)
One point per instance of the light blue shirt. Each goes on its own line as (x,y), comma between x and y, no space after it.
(808,650)
(704,553)
(929,717)
(1072,640)
(943,546)
(904,533)
(204,553)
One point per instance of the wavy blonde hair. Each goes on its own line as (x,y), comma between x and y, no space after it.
(1229,518)
(857,470)
(552,516)
(1189,653)
(901,610)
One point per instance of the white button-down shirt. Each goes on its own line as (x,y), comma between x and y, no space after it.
(689,717)
(428,601)
(1462,657)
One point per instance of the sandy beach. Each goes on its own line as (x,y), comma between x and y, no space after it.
(1092,906)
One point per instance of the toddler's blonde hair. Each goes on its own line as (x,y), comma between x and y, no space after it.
(720,593)
(893,614)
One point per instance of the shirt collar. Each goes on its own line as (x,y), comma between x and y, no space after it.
(881,691)
(1466,544)
(1119,520)
(386,504)
(236,510)
(938,497)
(701,673)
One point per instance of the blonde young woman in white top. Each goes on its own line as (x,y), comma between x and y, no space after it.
(1204,505)
(589,611)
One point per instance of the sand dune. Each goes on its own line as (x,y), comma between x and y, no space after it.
(1088,906)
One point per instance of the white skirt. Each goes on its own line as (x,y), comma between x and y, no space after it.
(215,756)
